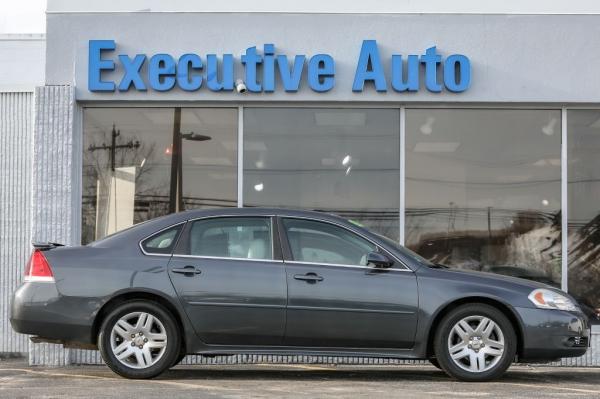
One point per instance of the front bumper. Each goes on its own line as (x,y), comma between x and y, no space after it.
(553,334)
(37,308)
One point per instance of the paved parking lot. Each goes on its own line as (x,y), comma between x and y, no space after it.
(17,380)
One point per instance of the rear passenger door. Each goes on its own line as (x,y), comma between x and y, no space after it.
(230,278)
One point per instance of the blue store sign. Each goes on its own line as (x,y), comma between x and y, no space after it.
(190,72)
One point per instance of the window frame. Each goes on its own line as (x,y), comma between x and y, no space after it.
(398,265)
(274,235)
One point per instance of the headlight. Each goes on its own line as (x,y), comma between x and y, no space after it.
(548,299)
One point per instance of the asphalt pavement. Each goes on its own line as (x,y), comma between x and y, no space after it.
(18,380)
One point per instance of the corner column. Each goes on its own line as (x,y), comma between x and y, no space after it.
(55,191)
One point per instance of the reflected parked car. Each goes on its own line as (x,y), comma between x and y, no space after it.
(273,281)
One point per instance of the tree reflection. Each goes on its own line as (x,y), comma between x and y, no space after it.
(98,172)
(527,238)
(584,264)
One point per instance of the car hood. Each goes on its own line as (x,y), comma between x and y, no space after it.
(491,277)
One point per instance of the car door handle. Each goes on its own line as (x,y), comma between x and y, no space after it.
(308,277)
(189,270)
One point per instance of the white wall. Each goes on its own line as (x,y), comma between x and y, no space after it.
(514,58)
(21,69)
(22,61)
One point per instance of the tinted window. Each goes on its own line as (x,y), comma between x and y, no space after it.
(244,238)
(342,161)
(162,242)
(320,242)
(483,189)
(584,211)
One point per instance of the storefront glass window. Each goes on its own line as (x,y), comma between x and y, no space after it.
(140,163)
(483,190)
(584,209)
(343,161)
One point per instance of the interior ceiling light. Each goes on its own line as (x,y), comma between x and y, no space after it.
(548,129)
(427,127)
(346,160)
(259,187)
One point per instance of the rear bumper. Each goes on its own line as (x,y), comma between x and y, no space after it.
(553,334)
(38,309)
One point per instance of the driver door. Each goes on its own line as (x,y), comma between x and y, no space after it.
(335,299)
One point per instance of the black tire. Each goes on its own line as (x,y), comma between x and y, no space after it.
(179,358)
(444,330)
(173,342)
(435,363)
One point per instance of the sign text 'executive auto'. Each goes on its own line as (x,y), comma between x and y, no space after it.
(190,72)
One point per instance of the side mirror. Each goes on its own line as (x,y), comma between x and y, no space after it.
(378,260)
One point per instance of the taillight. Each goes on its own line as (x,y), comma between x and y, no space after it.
(38,268)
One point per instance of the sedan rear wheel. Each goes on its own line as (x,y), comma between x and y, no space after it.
(475,342)
(139,339)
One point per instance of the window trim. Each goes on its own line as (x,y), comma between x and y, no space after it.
(281,248)
(275,248)
(392,269)
(225,258)
(288,254)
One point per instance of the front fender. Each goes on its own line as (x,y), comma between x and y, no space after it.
(440,289)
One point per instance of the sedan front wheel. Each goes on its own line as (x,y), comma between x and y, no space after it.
(475,342)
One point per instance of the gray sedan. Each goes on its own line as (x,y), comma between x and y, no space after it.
(272,281)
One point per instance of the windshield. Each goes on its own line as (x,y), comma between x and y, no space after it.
(413,255)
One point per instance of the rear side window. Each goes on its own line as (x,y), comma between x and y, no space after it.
(230,237)
(162,242)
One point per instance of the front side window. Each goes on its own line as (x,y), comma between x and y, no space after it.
(162,242)
(231,237)
(319,242)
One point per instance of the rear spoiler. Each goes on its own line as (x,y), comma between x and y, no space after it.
(44,246)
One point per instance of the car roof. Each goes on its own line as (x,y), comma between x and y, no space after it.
(258,211)
(144,229)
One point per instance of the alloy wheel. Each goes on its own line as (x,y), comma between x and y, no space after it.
(138,340)
(476,344)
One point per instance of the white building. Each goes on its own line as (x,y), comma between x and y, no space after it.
(470,134)
(22,62)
